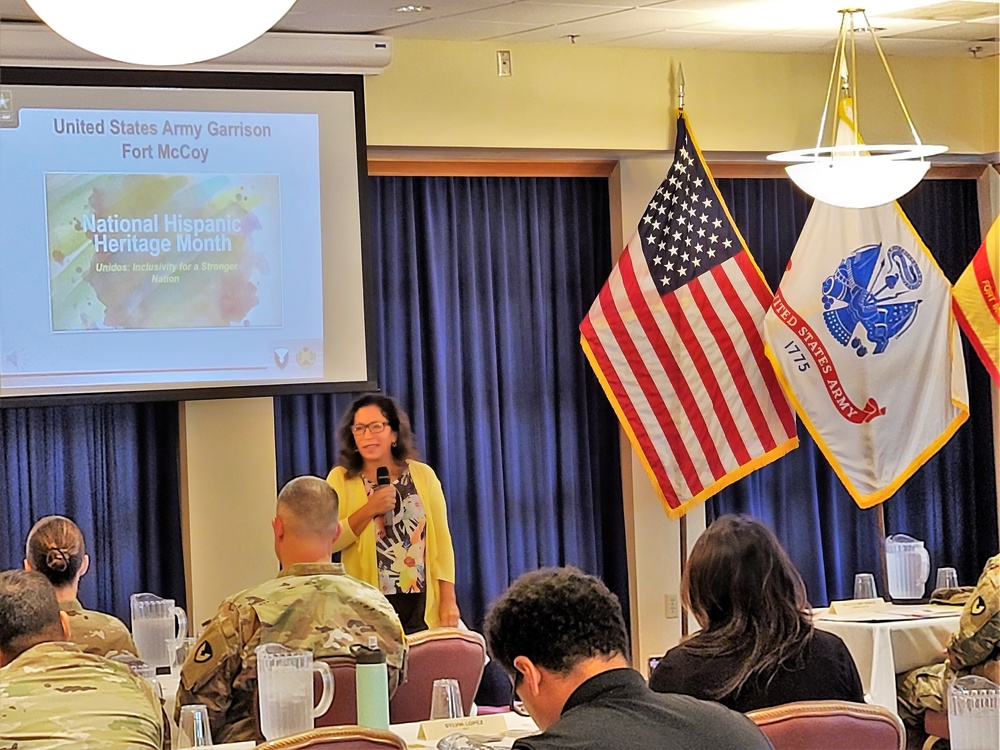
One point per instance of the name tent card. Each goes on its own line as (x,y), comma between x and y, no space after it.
(847,606)
(488,725)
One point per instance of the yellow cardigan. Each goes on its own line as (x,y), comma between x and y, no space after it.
(359,557)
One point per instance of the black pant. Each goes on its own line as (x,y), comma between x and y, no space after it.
(410,608)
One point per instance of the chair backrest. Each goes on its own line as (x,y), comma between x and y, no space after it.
(338,738)
(830,725)
(344,708)
(436,654)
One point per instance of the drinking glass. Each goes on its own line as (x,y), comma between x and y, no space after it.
(864,586)
(193,729)
(182,646)
(446,700)
(947,578)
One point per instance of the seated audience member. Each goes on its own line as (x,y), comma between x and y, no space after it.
(55,549)
(311,606)
(973,649)
(560,635)
(757,647)
(52,694)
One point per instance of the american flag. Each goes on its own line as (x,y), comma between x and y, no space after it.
(674,337)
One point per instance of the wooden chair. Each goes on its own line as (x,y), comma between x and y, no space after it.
(433,655)
(936,727)
(830,725)
(338,738)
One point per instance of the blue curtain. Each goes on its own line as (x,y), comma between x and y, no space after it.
(113,469)
(950,502)
(480,285)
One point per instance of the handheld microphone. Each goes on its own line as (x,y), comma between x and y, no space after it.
(381,479)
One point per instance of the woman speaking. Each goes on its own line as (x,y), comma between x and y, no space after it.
(394,527)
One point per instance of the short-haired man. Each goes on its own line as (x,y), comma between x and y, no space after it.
(560,634)
(52,694)
(311,606)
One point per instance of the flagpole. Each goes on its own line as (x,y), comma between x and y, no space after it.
(880,518)
(684,555)
(680,88)
(683,529)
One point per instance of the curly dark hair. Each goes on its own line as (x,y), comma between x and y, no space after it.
(399,423)
(749,599)
(55,549)
(557,617)
(29,612)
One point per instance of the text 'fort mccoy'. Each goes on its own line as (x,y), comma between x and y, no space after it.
(172,128)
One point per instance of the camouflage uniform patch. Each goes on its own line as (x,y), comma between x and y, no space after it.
(956,597)
(55,696)
(312,607)
(973,649)
(97,632)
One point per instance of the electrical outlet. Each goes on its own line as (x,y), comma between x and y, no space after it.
(671,606)
(503,62)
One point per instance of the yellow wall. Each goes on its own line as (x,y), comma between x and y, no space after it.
(447,94)
(228,475)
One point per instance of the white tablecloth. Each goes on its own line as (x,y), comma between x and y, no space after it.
(884,649)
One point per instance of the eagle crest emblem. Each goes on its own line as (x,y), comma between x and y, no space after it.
(876,291)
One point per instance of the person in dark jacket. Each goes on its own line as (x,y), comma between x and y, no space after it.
(757,647)
(560,635)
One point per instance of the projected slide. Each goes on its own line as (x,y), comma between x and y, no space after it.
(163,251)
(160,248)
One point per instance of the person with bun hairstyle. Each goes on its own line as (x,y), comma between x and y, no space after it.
(55,549)
(757,646)
(395,533)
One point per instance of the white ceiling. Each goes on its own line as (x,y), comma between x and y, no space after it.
(910,27)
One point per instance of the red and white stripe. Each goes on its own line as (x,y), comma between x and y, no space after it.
(688,372)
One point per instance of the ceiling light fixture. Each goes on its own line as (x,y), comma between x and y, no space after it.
(849,172)
(412,8)
(163,33)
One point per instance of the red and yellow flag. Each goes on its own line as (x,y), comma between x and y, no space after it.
(976,300)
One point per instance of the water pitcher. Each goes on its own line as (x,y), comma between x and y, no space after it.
(153,628)
(908,566)
(285,690)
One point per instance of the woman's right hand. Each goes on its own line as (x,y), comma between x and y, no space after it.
(382,499)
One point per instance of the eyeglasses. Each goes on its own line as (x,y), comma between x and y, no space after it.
(516,705)
(373,427)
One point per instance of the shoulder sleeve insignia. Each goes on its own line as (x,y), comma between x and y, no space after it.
(208,658)
(204,653)
(978,606)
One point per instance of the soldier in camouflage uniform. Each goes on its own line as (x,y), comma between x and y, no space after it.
(312,606)
(96,632)
(974,649)
(52,695)
(55,549)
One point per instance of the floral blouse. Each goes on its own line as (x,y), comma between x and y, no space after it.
(400,537)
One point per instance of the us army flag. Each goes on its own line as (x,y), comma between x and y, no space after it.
(863,339)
